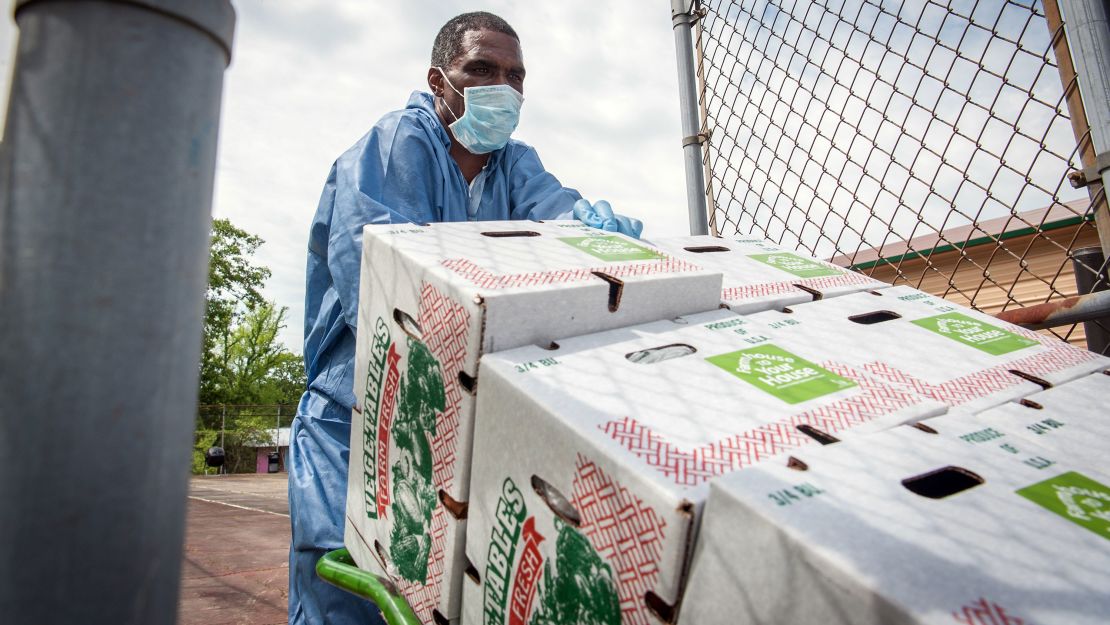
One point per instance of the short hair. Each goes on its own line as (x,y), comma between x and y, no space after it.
(448,43)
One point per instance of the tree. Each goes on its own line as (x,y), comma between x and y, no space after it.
(234,287)
(250,365)
(243,361)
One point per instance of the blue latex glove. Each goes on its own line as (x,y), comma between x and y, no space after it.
(602,217)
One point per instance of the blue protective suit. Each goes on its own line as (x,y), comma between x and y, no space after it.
(399,172)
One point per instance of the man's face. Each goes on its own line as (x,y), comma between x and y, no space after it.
(488,58)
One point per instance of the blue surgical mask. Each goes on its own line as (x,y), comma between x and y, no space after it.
(490,118)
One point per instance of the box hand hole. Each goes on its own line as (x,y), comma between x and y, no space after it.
(1041,382)
(1029,403)
(471,571)
(814,293)
(505,234)
(556,501)
(455,508)
(879,316)
(655,355)
(661,609)
(439,619)
(942,482)
(706,249)
(923,428)
(797,465)
(382,555)
(820,436)
(616,289)
(408,325)
(468,382)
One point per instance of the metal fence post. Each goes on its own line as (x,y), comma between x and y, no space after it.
(106,177)
(683,15)
(1087,27)
(1098,337)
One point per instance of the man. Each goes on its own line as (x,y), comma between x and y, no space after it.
(446,157)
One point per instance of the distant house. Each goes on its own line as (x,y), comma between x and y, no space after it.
(264,447)
(1024,257)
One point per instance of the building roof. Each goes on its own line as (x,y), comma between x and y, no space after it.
(1058,215)
(267,440)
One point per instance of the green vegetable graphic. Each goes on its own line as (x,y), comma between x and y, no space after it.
(581,590)
(414,495)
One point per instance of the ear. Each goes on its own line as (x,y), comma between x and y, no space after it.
(435,82)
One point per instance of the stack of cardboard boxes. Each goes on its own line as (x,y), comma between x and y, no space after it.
(566,478)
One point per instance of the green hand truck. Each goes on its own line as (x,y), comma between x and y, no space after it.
(338,569)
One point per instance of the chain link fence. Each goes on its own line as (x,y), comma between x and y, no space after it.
(243,431)
(921,142)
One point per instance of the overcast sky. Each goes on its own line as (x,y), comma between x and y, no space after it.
(309,78)
(869,114)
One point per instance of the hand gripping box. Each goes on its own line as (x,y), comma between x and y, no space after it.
(1069,420)
(433,299)
(759,275)
(590,465)
(968,360)
(900,528)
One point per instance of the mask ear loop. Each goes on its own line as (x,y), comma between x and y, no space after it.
(449,84)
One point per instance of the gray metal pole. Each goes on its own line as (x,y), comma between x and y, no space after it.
(1086,281)
(682,20)
(106,175)
(1087,26)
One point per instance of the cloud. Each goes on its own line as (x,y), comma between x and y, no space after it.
(844,127)
(7,55)
(305,83)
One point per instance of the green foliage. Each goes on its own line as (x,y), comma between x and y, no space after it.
(234,285)
(203,438)
(243,360)
(249,365)
(241,439)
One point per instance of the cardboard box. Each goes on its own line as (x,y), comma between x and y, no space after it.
(910,339)
(589,472)
(1069,420)
(759,275)
(435,298)
(878,531)
(965,429)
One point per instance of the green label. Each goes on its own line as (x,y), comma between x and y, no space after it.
(780,373)
(611,248)
(978,334)
(1075,497)
(797,265)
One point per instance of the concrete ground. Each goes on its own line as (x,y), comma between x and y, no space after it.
(236,566)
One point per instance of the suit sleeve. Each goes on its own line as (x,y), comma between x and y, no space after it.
(390,176)
(536,194)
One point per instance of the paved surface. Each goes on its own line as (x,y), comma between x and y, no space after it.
(236,566)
